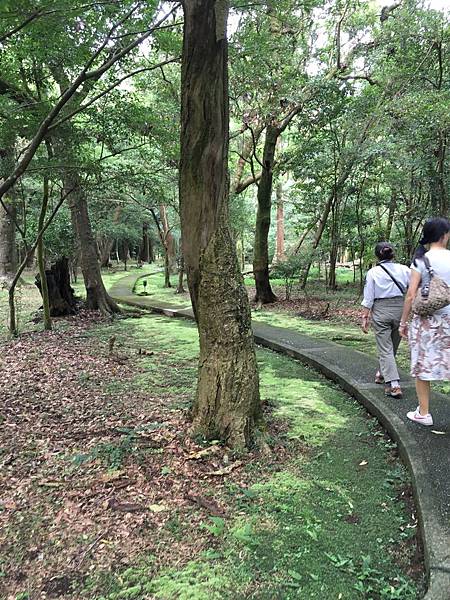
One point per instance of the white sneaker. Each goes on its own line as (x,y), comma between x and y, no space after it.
(418,418)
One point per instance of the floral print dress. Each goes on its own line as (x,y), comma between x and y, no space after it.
(429,337)
(429,340)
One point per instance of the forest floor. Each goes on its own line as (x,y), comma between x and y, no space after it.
(105,496)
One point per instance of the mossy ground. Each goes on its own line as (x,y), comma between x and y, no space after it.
(28,301)
(324,522)
(322,517)
(335,328)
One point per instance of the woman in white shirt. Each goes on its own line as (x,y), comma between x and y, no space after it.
(429,337)
(384,291)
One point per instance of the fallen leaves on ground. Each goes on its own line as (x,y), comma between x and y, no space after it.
(92,471)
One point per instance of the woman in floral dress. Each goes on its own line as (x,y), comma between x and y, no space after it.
(429,337)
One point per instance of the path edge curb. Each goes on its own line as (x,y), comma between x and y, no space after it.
(436,546)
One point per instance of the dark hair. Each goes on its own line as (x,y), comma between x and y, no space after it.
(384,251)
(432,232)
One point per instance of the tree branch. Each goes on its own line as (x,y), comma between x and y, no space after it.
(107,90)
(83,76)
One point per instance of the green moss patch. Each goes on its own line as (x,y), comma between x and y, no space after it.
(321,519)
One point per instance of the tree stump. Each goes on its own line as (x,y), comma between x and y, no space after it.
(61,294)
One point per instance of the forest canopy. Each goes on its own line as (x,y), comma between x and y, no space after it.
(339,126)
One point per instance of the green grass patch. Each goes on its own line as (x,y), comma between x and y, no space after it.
(28,301)
(342,333)
(323,522)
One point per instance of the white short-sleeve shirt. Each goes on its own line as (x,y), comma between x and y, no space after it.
(380,285)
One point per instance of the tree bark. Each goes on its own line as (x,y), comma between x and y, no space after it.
(44,289)
(390,220)
(334,194)
(163,240)
(107,243)
(279,249)
(180,288)
(438,177)
(169,243)
(8,254)
(8,249)
(145,254)
(227,403)
(97,297)
(61,295)
(264,293)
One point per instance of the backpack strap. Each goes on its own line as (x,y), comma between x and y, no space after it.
(400,287)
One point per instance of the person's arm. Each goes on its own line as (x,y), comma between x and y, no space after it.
(365,320)
(414,283)
(367,303)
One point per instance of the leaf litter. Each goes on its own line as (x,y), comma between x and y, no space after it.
(92,473)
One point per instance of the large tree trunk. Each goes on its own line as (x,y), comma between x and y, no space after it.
(264,293)
(8,253)
(60,293)
(96,296)
(227,403)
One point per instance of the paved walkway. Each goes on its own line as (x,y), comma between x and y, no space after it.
(425,450)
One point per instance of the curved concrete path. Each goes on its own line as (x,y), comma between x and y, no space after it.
(425,450)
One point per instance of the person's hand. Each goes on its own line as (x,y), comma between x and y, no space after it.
(403,330)
(365,323)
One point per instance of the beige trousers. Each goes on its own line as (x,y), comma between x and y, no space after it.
(386,315)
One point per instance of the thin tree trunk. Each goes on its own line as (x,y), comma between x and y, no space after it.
(317,237)
(163,239)
(332,270)
(126,253)
(8,253)
(108,242)
(13,326)
(145,254)
(180,289)
(41,260)
(390,221)
(227,403)
(105,246)
(264,293)
(302,239)
(334,235)
(167,283)
(440,177)
(335,192)
(8,250)
(169,240)
(279,249)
